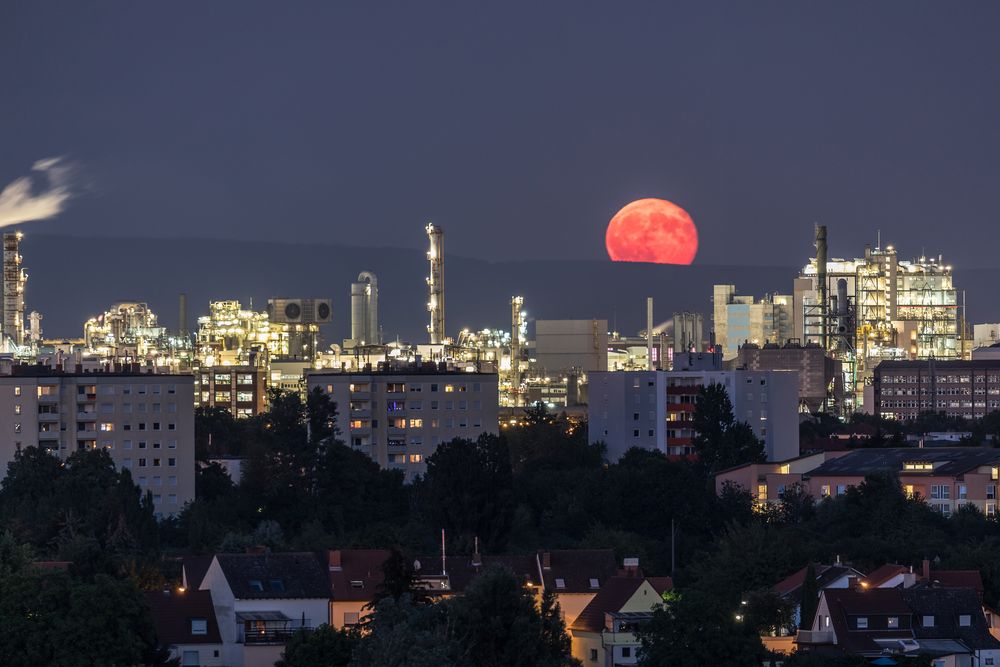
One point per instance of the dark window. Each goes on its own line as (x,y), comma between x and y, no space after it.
(256,585)
(277,585)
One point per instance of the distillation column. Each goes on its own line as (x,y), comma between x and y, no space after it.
(516,324)
(13,288)
(435,283)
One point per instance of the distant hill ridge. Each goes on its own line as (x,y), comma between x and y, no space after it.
(71,279)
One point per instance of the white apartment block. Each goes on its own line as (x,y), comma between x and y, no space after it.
(654,409)
(398,417)
(144,421)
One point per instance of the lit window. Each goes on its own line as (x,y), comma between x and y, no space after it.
(107,426)
(416,458)
(17,391)
(862,622)
(448,388)
(416,423)
(893,622)
(17,409)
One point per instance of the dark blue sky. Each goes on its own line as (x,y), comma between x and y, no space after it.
(520,128)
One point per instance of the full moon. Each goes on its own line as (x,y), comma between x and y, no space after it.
(652,230)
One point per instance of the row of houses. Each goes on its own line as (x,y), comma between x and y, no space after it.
(239,610)
(946,477)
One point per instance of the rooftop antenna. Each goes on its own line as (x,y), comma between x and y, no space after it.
(878,239)
(444,571)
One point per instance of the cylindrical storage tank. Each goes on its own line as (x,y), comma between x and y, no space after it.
(359,314)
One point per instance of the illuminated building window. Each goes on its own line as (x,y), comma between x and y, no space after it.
(107,426)
(448,388)
(416,423)
(416,458)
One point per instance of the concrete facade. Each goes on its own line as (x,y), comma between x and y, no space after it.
(144,421)
(564,345)
(904,389)
(655,409)
(399,417)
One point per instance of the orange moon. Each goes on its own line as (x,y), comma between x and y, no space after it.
(652,230)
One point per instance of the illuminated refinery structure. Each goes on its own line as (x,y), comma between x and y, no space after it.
(365,329)
(877,307)
(435,284)
(128,332)
(14,279)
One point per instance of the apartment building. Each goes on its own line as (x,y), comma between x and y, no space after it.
(946,477)
(144,421)
(398,415)
(655,409)
(242,390)
(969,389)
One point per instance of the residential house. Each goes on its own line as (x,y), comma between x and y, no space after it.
(186,626)
(262,599)
(355,576)
(604,632)
(944,624)
(838,575)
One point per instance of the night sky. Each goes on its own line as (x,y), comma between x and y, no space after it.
(520,128)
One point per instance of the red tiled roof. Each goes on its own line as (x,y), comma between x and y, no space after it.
(194,569)
(884,574)
(612,597)
(576,567)
(959,579)
(843,602)
(355,574)
(661,584)
(172,614)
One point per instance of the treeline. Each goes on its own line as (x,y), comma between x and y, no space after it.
(536,485)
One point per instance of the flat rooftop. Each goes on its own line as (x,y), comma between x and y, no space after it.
(948,460)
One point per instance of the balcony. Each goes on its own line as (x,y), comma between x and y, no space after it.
(272,636)
(48,436)
(48,417)
(361,414)
(814,637)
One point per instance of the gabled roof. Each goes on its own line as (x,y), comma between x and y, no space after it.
(172,614)
(275,576)
(355,574)
(844,602)
(791,586)
(194,569)
(946,605)
(575,568)
(958,579)
(884,573)
(611,598)
(463,569)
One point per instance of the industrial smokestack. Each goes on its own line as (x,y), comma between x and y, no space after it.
(649,333)
(182,322)
(435,283)
(516,302)
(13,288)
(821,279)
(364,310)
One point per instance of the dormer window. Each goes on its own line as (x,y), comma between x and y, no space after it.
(199,626)
(594,583)
(277,585)
(893,622)
(964,620)
(862,622)
(928,621)
(257,585)
(357,583)
(560,583)
(918,466)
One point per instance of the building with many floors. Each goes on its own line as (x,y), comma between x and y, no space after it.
(655,409)
(968,389)
(144,421)
(399,414)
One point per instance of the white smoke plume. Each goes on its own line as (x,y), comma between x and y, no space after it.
(19,203)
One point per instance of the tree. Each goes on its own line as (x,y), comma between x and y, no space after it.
(52,618)
(810,598)
(721,441)
(402,634)
(398,579)
(497,622)
(468,489)
(695,629)
(323,647)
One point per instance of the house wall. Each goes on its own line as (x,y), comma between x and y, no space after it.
(206,653)
(340,607)
(225,616)
(581,645)
(571,604)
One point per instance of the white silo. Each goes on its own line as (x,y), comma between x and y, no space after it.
(364,310)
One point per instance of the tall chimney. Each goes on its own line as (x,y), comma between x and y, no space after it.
(182,322)
(13,288)
(515,348)
(435,283)
(649,333)
(821,279)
